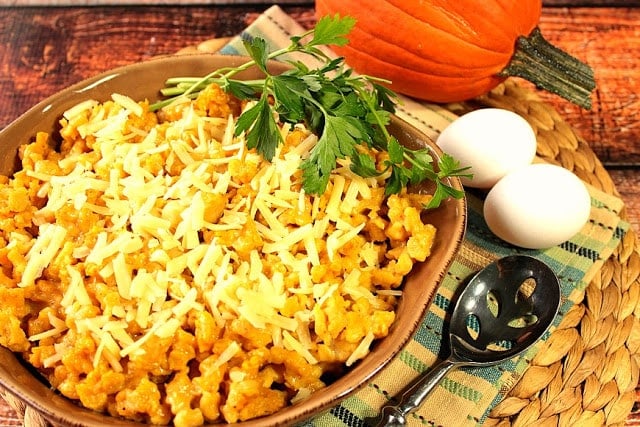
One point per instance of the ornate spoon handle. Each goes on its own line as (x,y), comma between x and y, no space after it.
(394,415)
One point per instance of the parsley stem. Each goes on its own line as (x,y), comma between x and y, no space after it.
(294,46)
(195,84)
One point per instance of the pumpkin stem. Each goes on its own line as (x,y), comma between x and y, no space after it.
(551,69)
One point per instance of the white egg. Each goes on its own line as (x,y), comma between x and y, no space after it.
(492,141)
(538,206)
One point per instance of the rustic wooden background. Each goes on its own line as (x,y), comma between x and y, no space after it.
(44,49)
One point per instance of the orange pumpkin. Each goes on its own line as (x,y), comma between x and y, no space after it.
(453,50)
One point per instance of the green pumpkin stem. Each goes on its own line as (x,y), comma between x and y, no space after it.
(551,69)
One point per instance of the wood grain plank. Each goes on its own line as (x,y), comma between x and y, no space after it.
(628,185)
(610,43)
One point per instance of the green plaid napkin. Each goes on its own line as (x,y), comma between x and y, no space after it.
(466,396)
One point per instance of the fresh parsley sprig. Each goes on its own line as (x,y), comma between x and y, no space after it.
(347,112)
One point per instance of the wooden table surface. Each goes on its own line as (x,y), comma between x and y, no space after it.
(44,49)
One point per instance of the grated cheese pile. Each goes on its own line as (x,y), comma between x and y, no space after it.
(156,269)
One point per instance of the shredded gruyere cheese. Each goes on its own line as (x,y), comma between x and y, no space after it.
(174,258)
(50,240)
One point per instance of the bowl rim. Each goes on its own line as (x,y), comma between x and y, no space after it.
(55,407)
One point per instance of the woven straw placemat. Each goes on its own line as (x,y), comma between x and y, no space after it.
(588,371)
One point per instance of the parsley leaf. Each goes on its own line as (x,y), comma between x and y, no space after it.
(288,93)
(261,127)
(332,30)
(257,49)
(448,167)
(364,165)
(395,150)
(239,89)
